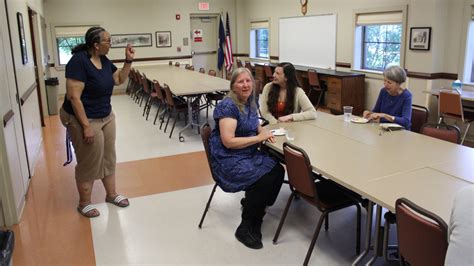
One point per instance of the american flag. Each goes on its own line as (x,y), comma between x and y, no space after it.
(229,58)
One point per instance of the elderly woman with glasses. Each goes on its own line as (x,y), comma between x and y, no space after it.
(394,102)
(87,114)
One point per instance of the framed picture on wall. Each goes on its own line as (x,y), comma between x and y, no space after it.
(420,38)
(163,39)
(21,33)
(136,39)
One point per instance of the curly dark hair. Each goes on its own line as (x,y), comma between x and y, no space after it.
(291,85)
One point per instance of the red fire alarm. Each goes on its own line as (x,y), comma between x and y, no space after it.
(178,16)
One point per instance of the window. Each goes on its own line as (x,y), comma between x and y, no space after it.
(262,43)
(259,37)
(381,46)
(65,46)
(468,76)
(66,38)
(378,39)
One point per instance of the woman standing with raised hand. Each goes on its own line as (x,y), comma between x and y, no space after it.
(87,114)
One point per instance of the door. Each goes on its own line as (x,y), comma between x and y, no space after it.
(13,159)
(204,39)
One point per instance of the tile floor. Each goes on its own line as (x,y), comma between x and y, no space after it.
(168,183)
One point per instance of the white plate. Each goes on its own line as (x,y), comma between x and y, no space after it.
(359,120)
(278,132)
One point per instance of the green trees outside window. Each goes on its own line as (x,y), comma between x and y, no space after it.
(381,46)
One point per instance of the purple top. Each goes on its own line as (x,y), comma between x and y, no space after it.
(397,106)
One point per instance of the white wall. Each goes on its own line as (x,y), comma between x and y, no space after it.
(138,16)
(446,17)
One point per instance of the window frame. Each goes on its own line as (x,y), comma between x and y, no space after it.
(255,26)
(358,34)
(363,43)
(466,65)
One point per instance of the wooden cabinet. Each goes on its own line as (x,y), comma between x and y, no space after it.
(344,91)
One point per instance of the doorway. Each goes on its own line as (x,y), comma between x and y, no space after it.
(204,41)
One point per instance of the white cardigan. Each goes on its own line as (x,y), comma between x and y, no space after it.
(304,109)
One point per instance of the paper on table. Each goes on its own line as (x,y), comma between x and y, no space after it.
(390,126)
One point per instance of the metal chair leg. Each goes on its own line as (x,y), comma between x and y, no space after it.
(207,205)
(282,220)
(315,237)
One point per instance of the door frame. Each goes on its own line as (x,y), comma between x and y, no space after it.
(205,15)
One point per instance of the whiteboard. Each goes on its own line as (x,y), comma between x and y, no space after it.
(308,41)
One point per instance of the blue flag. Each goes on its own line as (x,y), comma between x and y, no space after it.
(220,51)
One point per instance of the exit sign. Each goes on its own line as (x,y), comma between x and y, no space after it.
(203,6)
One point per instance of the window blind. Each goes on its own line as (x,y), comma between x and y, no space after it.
(379,18)
(71,31)
(259,24)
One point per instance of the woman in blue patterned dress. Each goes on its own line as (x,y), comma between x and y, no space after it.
(236,162)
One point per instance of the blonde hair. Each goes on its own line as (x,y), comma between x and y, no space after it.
(232,95)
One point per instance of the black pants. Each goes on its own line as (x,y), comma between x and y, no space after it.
(262,193)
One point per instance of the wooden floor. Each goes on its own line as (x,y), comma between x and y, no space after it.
(51,227)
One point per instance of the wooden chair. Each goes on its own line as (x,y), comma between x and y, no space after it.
(212,72)
(419,116)
(249,66)
(160,97)
(176,64)
(422,235)
(443,132)
(202,70)
(326,196)
(268,73)
(450,106)
(212,98)
(239,63)
(170,63)
(205,135)
(175,107)
(315,86)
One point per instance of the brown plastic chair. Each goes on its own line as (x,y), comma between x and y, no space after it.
(239,63)
(450,106)
(202,70)
(422,235)
(176,64)
(212,72)
(325,195)
(419,116)
(315,85)
(249,66)
(443,132)
(268,73)
(205,135)
(174,106)
(160,97)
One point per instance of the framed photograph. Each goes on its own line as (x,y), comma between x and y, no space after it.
(163,39)
(21,33)
(136,39)
(420,38)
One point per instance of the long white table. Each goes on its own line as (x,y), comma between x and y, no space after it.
(186,83)
(465,94)
(384,166)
